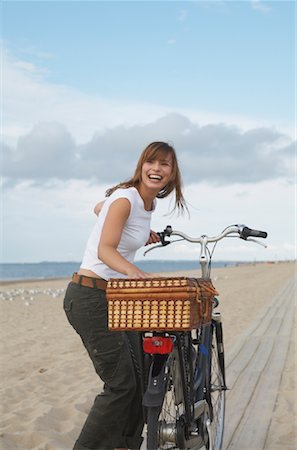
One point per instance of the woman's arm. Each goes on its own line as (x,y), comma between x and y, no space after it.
(98,207)
(115,220)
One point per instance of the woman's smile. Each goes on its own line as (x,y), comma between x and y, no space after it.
(157,172)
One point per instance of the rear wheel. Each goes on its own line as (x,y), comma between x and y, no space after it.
(165,428)
(215,388)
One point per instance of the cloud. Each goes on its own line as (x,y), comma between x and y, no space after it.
(215,153)
(260,6)
(33,212)
(225,154)
(48,151)
(29,97)
(183,14)
(51,131)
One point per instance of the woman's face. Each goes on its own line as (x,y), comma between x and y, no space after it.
(156,173)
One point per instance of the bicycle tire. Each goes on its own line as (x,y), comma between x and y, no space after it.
(152,428)
(164,423)
(215,388)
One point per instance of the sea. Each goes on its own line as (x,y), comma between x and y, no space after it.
(49,270)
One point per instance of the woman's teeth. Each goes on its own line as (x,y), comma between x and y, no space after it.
(155,177)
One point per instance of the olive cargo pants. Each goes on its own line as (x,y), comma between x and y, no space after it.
(116,417)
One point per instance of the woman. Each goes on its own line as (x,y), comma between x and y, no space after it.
(123,226)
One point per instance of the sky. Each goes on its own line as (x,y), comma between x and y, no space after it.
(87,85)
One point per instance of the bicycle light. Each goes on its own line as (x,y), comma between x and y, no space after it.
(157,345)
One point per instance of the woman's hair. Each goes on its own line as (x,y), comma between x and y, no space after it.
(157,150)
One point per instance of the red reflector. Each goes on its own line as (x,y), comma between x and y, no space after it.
(157,345)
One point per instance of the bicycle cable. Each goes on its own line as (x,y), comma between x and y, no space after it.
(212,252)
(209,263)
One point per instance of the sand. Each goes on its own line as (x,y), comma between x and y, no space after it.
(48,383)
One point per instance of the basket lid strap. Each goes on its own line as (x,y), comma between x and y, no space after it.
(198,291)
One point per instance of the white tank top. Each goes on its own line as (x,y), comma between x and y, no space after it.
(135,233)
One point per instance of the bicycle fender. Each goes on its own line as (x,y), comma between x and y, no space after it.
(155,391)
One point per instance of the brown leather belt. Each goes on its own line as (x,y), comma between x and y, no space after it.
(91,282)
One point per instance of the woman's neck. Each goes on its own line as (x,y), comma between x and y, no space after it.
(147,196)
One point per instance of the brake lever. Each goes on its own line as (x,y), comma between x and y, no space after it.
(256,242)
(155,246)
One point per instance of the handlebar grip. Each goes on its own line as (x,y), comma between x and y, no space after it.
(246,232)
(163,234)
(166,233)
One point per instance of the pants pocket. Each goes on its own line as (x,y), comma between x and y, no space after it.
(68,308)
(105,350)
(67,304)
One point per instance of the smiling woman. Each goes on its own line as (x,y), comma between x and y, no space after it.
(163,154)
(123,226)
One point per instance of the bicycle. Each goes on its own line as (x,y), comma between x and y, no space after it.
(183,373)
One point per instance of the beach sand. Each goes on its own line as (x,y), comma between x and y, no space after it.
(48,383)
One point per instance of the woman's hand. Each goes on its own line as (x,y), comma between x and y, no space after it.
(154,238)
(135,272)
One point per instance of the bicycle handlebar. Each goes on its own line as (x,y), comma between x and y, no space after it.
(243,231)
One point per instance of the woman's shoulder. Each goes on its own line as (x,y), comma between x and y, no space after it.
(130,193)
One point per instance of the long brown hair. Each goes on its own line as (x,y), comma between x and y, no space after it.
(157,150)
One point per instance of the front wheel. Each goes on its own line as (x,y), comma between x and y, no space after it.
(215,388)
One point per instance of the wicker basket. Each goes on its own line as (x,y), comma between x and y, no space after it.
(178,304)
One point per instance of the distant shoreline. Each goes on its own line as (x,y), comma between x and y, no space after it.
(192,272)
(32,280)
(228,261)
